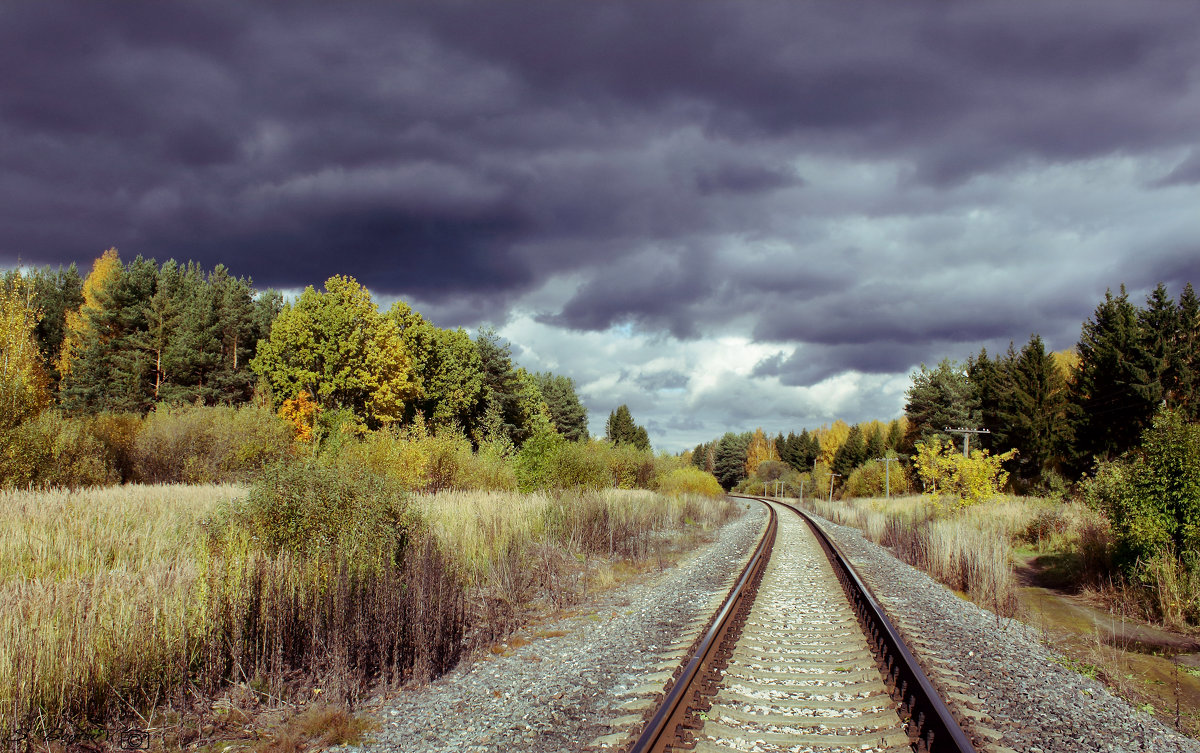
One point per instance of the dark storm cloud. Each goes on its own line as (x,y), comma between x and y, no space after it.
(802,174)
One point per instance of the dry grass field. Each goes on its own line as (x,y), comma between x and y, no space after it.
(118,601)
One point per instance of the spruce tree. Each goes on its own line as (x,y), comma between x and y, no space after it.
(1108,410)
(987,379)
(876,444)
(938,398)
(566,411)
(729,459)
(851,453)
(1186,367)
(621,429)
(1033,410)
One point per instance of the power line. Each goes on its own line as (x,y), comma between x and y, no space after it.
(967,436)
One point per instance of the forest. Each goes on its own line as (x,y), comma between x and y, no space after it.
(141,371)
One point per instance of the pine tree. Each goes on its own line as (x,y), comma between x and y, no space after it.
(1186,365)
(621,429)
(938,398)
(1033,410)
(1108,411)
(851,453)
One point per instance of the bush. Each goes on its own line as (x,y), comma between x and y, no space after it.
(969,480)
(306,506)
(118,433)
(54,451)
(690,480)
(489,469)
(1152,496)
(873,479)
(628,467)
(197,444)
(534,459)
(575,465)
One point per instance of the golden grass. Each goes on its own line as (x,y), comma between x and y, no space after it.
(969,550)
(95,586)
(112,601)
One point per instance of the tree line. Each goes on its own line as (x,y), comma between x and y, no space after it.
(1064,412)
(839,448)
(130,336)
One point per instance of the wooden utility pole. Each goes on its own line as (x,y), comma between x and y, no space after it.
(832,476)
(967,437)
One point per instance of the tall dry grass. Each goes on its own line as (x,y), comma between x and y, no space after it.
(517,551)
(113,601)
(972,550)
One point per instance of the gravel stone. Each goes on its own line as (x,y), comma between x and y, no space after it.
(557,694)
(1005,665)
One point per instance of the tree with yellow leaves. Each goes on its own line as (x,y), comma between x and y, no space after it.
(337,347)
(104,269)
(22,381)
(830,439)
(760,450)
(301,412)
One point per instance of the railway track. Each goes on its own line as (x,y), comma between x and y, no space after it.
(800,658)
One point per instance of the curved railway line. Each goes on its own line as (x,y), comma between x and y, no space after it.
(800,658)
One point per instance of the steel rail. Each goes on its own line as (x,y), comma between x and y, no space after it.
(931,727)
(669,721)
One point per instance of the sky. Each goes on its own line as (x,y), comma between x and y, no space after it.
(723,214)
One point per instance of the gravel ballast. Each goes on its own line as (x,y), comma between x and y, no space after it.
(1003,667)
(579,674)
(559,692)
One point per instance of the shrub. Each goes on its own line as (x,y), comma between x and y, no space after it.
(628,467)
(197,444)
(575,465)
(489,469)
(873,479)
(118,433)
(535,458)
(301,507)
(690,480)
(969,480)
(1152,497)
(53,451)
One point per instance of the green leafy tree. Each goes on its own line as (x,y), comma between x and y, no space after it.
(335,345)
(447,367)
